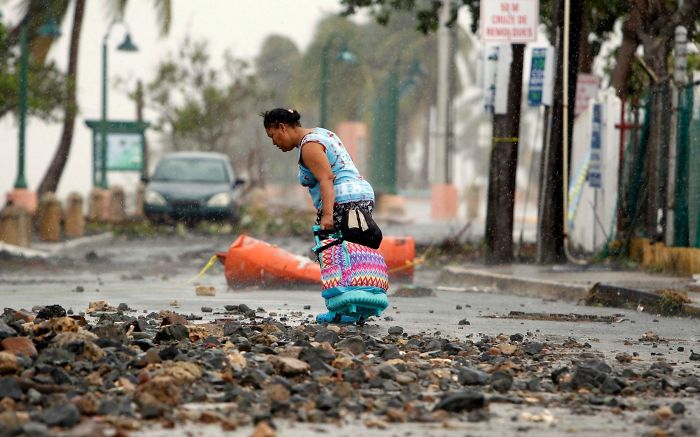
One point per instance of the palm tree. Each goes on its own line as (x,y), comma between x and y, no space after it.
(37,12)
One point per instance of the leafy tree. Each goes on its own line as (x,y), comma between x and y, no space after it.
(43,80)
(200,107)
(37,13)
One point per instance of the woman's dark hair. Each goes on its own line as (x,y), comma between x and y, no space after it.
(277,116)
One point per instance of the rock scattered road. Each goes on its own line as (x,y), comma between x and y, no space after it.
(154,357)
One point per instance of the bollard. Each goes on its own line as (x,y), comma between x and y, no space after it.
(140,191)
(391,205)
(50,215)
(75,221)
(116,204)
(15,226)
(97,205)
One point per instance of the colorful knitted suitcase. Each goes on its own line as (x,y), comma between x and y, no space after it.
(354,278)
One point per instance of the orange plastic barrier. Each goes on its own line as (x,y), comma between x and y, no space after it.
(399,254)
(250,261)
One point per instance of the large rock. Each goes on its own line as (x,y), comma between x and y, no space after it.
(464,400)
(8,363)
(19,346)
(289,366)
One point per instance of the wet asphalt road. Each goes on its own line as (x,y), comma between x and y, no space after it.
(155,273)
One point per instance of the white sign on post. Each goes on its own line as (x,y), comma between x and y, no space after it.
(586,88)
(513,21)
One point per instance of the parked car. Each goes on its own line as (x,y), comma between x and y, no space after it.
(192,186)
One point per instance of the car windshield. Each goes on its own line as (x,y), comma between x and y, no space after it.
(191,170)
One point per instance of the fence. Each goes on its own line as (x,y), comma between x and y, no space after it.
(643,210)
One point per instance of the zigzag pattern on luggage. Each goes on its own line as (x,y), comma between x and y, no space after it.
(354,266)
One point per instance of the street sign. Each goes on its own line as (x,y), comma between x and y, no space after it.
(586,88)
(594,169)
(125,146)
(536,83)
(513,21)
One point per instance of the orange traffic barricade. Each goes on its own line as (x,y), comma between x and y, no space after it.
(249,262)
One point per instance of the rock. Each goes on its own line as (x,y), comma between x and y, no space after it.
(516,337)
(694,356)
(207,309)
(353,344)
(390,352)
(501,381)
(36,429)
(327,402)
(232,328)
(471,376)
(19,346)
(11,423)
(65,415)
(678,408)
(463,322)
(87,404)
(533,348)
(413,291)
(326,335)
(172,333)
(8,363)
(395,330)
(467,400)
(289,366)
(205,290)
(149,405)
(318,358)
(9,387)
(51,311)
(263,429)
(691,381)
(307,307)
(6,330)
(160,389)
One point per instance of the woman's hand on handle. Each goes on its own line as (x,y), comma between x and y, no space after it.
(327,222)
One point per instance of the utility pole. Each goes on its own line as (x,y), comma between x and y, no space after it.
(680,78)
(444,194)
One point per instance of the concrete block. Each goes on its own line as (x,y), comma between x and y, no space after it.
(116,204)
(24,198)
(15,226)
(50,216)
(140,192)
(444,202)
(75,220)
(98,205)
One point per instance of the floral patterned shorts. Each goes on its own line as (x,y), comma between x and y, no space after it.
(341,209)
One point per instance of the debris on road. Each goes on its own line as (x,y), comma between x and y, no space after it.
(118,372)
(555,317)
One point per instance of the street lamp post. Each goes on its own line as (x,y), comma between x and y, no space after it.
(51,30)
(345,55)
(126,46)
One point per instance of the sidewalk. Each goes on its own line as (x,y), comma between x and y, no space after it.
(617,288)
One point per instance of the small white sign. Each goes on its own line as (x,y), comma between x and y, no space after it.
(586,89)
(513,21)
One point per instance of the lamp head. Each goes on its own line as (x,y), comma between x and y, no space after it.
(127,45)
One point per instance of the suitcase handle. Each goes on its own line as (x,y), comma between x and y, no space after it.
(319,233)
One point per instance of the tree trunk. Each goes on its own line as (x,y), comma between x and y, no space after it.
(503,166)
(53,175)
(550,223)
(625,53)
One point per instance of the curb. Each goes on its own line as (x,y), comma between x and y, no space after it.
(453,276)
(46,250)
(609,295)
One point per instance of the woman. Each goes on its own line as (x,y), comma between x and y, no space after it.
(343,199)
